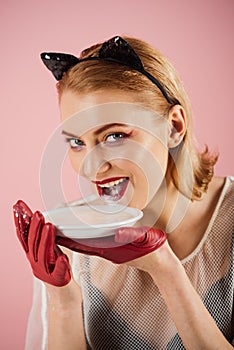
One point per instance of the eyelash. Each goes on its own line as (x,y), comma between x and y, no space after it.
(122,136)
(75,148)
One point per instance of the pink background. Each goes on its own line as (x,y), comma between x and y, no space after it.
(196,35)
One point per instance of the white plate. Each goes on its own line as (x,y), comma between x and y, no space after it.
(92,221)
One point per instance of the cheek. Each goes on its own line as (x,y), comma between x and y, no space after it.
(145,159)
(75,160)
(161,158)
(150,175)
(129,167)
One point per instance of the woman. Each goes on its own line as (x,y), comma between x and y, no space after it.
(167,284)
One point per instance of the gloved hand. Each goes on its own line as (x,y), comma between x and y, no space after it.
(48,262)
(127,244)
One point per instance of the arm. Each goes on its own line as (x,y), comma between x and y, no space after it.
(147,249)
(65,330)
(195,325)
(51,265)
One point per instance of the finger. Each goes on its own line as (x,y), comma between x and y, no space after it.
(57,250)
(22,218)
(21,234)
(61,273)
(34,235)
(24,207)
(153,239)
(79,247)
(46,251)
(71,244)
(130,234)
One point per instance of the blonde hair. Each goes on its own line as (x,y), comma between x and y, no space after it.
(90,76)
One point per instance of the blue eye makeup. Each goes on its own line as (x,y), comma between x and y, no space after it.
(111,139)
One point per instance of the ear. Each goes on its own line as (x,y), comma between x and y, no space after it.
(178,121)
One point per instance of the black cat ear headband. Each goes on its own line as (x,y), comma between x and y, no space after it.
(115,50)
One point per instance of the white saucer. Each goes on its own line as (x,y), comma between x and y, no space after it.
(92,221)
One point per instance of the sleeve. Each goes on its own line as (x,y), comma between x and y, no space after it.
(37,329)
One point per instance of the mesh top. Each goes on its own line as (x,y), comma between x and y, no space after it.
(122,306)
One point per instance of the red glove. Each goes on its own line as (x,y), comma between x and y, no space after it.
(48,262)
(127,244)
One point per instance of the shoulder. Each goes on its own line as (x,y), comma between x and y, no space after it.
(220,233)
(221,191)
(223,217)
(227,195)
(218,215)
(230,183)
(220,195)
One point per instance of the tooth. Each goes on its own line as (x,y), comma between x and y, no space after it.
(118,181)
(112,183)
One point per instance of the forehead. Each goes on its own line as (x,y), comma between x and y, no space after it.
(81,113)
(72,103)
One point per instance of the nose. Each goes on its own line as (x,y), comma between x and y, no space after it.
(94,163)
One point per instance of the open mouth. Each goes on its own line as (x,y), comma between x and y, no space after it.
(112,189)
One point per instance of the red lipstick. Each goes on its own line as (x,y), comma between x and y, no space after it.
(110,179)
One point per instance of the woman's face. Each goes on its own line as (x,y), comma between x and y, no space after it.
(121,154)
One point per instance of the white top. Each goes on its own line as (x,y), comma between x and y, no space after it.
(123,308)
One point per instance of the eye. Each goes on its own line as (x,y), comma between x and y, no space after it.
(75,144)
(116,137)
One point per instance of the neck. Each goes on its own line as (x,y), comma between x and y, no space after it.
(166,209)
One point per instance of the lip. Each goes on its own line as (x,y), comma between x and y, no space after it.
(110,179)
(102,182)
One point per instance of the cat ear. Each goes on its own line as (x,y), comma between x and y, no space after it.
(58,63)
(118,49)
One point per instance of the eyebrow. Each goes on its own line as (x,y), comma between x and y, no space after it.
(96,132)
